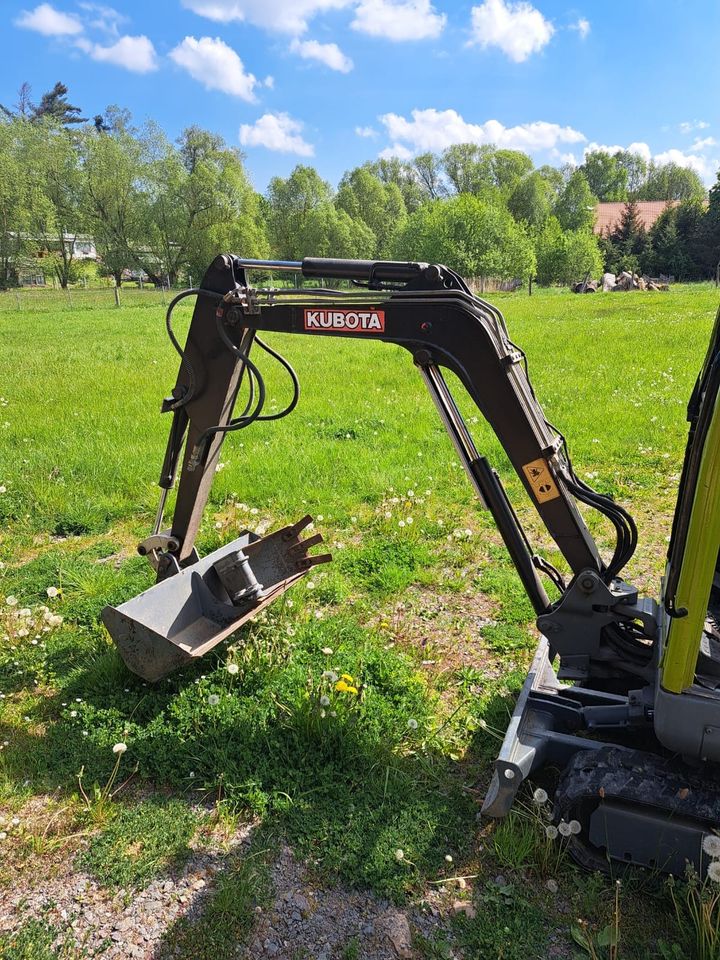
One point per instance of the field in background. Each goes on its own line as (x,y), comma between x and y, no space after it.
(420,607)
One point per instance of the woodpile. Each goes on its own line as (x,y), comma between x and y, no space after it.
(621,283)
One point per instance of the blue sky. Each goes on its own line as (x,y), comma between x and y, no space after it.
(334,83)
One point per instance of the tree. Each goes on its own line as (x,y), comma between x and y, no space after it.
(669,181)
(16,199)
(575,207)
(508,168)
(393,170)
(708,239)
(429,170)
(331,232)
(628,240)
(470,235)
(380,206)
(635,168)
(606,177)
(290,202)
(468,167)
(531,201)
(564,256)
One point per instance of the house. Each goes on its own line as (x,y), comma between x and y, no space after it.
(608,215)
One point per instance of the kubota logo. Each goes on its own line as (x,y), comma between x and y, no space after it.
(364,321)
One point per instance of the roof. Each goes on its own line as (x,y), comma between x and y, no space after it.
(608,214)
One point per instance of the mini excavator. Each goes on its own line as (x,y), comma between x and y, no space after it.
(621,704)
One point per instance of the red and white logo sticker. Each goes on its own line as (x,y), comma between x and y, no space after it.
(355,321)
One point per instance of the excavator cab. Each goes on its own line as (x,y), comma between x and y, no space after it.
(622,699)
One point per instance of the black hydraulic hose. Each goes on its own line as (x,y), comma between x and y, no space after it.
(293,376)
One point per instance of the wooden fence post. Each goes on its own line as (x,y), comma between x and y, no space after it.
(117,296)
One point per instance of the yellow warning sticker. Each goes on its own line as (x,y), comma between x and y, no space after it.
(540,479)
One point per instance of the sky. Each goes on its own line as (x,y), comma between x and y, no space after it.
(334,83)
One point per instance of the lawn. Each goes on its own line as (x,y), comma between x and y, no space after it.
(420,608)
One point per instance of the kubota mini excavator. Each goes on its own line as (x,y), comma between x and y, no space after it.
(623,695)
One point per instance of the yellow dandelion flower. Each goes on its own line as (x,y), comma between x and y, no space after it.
(346,677)
(342,687)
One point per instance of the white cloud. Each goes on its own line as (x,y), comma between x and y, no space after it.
(328,53)
(103,18)
(640,148)
(396,150)
(216,65)
(50,22)
(437,129)
(269,82)
(404,20)
(582,26)
(704,143)
(688,126)
(368,132)
(133,53)
(276,131)
(518,29)
(278,16)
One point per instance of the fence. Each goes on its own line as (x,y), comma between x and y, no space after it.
(23,299)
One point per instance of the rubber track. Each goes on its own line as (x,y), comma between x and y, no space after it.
(640,778)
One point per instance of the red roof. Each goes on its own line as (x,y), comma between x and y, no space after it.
(609,214)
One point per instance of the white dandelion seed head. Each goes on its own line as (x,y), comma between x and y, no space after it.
(713,871)
(120,748)
(24,613)
(399,854)
(330,675)
(412,724)
(310,584)
(232,669)
(711,845)
(52,592)
(575,827)
(482,724)
(564,829)
(213,700)
(551,831)
(540,796)
(324,701)
(448,858)
(11,601)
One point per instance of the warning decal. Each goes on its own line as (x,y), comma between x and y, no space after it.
(538,475)
(357,321)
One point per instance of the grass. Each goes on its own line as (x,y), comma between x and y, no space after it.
(349,782)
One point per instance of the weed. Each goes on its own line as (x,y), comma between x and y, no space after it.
(697,911)
(139,842)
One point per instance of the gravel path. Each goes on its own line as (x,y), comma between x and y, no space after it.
(302,921)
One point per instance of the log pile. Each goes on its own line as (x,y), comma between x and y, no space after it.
(621,283)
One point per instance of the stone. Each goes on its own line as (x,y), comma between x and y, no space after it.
(397,931)
(465,908)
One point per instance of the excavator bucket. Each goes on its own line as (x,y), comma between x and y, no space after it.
(190,612)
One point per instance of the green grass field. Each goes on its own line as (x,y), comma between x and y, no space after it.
(420,607)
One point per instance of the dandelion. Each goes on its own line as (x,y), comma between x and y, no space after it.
(402,523)
(3,835)
(343,687)
(388,515)
(482,724)
(290,631)
(540,796)
(54,620)
(213,700)
(551,832)
(232,669)
(564,829)
(552,885)
(412,724)
(330,675)
(409,520)
(399,855)
(310,584)
(11,601)
(73,713)
(24,613)
(328,651)
(353,519)
(346,677)
(52,592)
(23,632)
(120,748)
(711,845)
(713,871)
(575,827)
(324,701)
(3,489)
(411,493)
(448,858)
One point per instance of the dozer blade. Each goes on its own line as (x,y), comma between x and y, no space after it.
(189,613)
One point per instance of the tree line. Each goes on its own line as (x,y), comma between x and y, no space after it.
(168,207)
